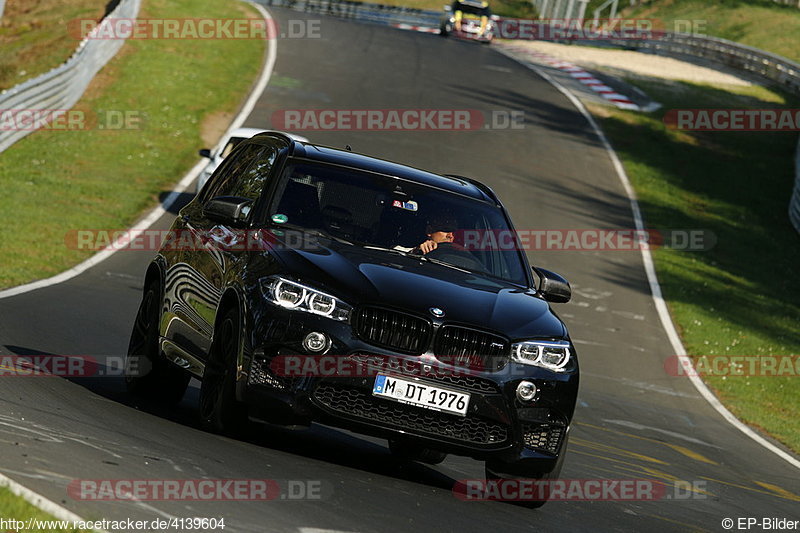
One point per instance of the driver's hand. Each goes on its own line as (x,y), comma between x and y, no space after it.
(427,246)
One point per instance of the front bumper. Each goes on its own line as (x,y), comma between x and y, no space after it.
(497,426)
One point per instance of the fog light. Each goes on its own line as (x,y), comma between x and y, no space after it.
(315,342)
(526,391)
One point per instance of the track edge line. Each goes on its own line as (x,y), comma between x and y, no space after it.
(40,502)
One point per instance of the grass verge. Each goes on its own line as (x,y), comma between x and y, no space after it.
(35,37)
(742,297)
(761,23)
(177,90)
(16,508)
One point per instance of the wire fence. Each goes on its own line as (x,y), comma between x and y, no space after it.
(62,87)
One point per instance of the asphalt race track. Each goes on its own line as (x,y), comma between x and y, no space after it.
(634,421)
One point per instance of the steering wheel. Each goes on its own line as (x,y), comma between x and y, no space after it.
(456,255)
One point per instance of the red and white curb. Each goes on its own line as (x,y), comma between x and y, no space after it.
(619,100)
(423,29)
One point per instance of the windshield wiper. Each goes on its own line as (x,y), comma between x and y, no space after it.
(311,231)
(418,256)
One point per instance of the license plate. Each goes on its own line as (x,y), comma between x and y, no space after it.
(421,395)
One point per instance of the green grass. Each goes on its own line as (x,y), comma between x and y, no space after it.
(760,23)
(54,182)
(743,296)
(14,507)
(35,36)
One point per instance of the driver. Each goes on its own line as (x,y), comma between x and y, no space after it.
(440,229)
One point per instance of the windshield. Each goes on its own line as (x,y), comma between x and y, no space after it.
(471,9)
(384,212)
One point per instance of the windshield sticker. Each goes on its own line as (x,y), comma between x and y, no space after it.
(280,219)
(408,206)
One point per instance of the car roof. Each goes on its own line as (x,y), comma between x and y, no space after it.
(247,133)
(456,184)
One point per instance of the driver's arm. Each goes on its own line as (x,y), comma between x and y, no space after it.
(427,246)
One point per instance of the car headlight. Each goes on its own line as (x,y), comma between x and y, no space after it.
(293,295)
(550,355)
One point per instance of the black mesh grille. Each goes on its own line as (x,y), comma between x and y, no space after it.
(470,348)
(261,374)
(393,330)
(359,404)
(547,437)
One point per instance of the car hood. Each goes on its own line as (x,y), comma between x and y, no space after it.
(361,275)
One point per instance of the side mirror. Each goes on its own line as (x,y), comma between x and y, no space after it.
(553,287)
(230,210)
(205,152)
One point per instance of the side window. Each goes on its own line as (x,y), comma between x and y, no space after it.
(252,181)
(229,173)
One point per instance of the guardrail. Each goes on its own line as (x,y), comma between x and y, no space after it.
(772,67)
(363,11)
(62,87)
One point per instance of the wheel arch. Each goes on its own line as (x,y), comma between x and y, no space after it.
(233,299)
(155,272)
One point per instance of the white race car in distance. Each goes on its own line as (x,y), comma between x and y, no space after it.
(225,146)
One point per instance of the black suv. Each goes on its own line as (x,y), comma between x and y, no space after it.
(293,253)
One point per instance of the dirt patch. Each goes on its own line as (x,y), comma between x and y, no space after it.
(213,126)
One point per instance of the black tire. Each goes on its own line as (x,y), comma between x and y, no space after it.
(220,411)
(147,373)
(530,504)
(412,452)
